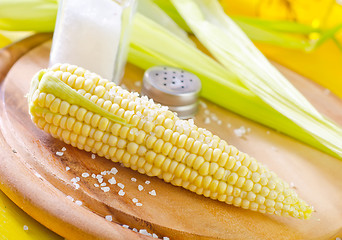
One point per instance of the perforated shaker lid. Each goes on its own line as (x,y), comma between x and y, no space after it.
(173,87)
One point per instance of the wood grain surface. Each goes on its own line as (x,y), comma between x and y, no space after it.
(42,183)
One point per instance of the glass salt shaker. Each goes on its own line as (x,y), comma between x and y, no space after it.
(93,34)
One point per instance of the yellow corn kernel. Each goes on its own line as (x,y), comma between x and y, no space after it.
(154,143)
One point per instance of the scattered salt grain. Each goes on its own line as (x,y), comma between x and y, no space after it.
(105,189)
(138,204)
(100,180)
(78,202)
(114,171)
(207,112)
(93,156)
(103,184)
(103,173)
(96,185)
(326,91)
(85,175)
(219,122)
(166,238)
(133,179)
(140,187)
(121,185)
(59,154)
(145,232)
(203,104)
(229,125)
(147,182)
(135,200)
(153,193)
(109,218)
(155,235)
(67,169)
(121,192)
(125,226)
(63,149)
(25,228)
(77,186)
(93,175)
(338,238)
(112,181)
(239,132)
(135,230)
(207,120)
(70,198)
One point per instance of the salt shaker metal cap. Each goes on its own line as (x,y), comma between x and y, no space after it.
(173,87)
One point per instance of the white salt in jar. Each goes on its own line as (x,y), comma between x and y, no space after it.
(93,34)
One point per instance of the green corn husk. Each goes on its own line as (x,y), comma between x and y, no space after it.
(229,87)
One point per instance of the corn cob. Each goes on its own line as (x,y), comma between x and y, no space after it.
(93,114)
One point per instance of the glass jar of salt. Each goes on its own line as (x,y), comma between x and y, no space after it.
(93,34)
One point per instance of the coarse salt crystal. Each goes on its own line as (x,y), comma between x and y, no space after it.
(121,185)
(145,232)
(135,230)
(338,238)
(207,120)
(326,91)
(203,104)
(25,228)
(133,179)
(67,169)
(96,185)
(63,149)
(93,175)
(109,218)
(147,182)
(125,226)
(137,83)
(59,154)
(135,200)
(73,180)
(239,132)
(138,204)
(166,238)
(140,187)
(112,180)
(103,173)
(100,180)
(121,192)
(103,184)
(105,189)
(77,186)
(93,156)
(70,198)
(155,235)
(153,193)
(85,175)
(114,171)
(78,202)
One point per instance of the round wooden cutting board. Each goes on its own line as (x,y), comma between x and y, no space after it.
(74,193)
